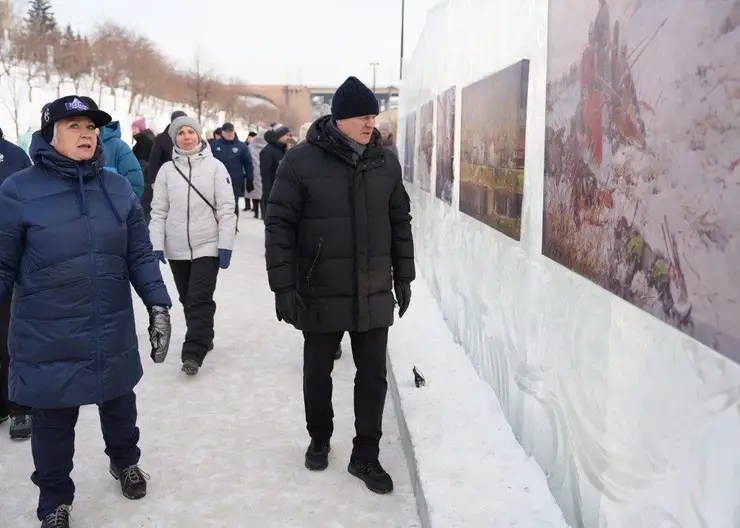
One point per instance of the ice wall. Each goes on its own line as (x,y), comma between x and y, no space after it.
(635,423)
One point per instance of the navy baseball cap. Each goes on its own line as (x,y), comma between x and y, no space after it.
(73,106)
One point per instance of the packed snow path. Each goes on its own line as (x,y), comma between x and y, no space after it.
(225,449)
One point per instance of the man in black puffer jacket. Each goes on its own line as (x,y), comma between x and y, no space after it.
(338,241)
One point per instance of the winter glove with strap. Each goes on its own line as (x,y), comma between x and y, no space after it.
(160,331)
(160,256)
(287,304)
(224,258)
(403,296)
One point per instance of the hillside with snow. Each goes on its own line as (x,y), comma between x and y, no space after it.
(20,113)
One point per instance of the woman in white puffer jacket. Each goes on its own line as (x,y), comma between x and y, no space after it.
(193,226)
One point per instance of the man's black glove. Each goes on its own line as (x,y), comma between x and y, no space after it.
(160,331)
(286,306)
(250,186)
(403,296)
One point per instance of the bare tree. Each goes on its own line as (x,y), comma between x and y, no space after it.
(201,85)
(13,106)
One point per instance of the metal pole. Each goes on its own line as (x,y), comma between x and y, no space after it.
(403,14)
(374,65)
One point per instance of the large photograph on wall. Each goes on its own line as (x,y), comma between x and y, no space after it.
(426,147)
(445,145)
(494,115)
(409,147)
(642,163)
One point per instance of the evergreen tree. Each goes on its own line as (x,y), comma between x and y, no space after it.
(40,18)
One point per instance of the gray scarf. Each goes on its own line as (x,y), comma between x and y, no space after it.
(357,148)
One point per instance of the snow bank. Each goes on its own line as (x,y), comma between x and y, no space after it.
(466,465)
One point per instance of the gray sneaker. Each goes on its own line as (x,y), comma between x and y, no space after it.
(190,367)
(20,427)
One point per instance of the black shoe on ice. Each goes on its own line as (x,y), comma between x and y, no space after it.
(132,480)
(190,367)
(59,518)
(317,455)
(372,474)
(20,427)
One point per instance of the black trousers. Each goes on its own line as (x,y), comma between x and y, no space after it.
(196,282)
(53,447)
(256,207)
(7,407)
(371,385)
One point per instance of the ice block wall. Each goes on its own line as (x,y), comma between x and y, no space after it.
(572,169)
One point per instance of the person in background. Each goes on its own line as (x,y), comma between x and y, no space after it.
(142,149)
(162,149)
(256,146)
(277,144)
(247,199)
(144,138)
(215,136)
(338,243)
(119,157)
(193,226)
(235,156)
(12,159)
(386,136)
(72,244)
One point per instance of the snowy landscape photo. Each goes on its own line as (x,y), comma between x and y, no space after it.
(445,145)
(409,147)
(642,163)
(493,134)
(426,146)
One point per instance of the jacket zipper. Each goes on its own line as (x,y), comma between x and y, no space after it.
(354,244)
(316,254)
(187,214)
(96,304)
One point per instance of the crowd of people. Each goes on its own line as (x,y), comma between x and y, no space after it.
(87,217)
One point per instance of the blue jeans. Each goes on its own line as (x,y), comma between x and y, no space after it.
(53,447)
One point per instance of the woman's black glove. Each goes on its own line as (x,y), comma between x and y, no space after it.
(403,296)
(160,331)
(286,306)
(250,186)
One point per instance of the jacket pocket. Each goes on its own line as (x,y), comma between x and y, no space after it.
(314,260)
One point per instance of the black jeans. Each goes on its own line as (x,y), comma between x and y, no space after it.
(256,207)
(53,447)
(371,385)
(7,407)
(196,283)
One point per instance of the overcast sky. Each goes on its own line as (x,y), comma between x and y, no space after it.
(313,42)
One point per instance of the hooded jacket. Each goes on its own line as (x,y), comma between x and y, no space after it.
(72,243)
(338,230)
(238,161)
(269,160)
(119,157)
(12,158)
(142,149)
(182,224)
(255,147)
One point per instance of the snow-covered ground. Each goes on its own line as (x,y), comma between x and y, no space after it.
(225,449)
(14,96)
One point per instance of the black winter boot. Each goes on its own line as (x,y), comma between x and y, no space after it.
(317,455)
(59,518)
(372,474)
(190,367)
(20,427)
(132,480)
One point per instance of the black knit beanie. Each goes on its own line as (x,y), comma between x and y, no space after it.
(176,114)
(353,99)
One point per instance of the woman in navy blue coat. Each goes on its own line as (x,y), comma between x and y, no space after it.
(72,242)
